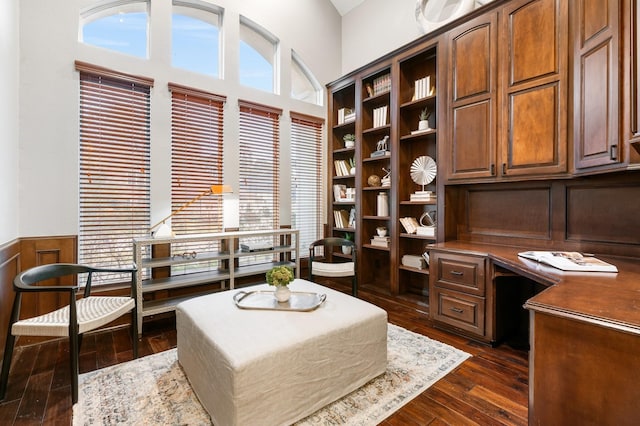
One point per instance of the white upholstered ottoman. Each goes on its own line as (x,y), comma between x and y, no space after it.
(256,367)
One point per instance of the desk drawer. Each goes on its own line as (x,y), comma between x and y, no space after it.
(460,310)
(460,272)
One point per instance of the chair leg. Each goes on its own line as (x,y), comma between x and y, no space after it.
(6,363)
(134,332)
(74,361)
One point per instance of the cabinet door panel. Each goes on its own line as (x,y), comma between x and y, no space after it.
(533,134)
(471,66)
(533,39)
(472,153)
(596,87)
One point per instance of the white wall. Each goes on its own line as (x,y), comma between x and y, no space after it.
(49,95)
(377,27)
(9,121)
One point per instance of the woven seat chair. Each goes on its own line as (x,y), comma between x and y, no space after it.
(337,268)
(78,317)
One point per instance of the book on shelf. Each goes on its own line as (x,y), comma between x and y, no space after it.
(421,196)
(381,84)
(345,115)
(415,132)
(256,246)
(569,261)
(410,224)
(341,218)
(426,231)
(379,241)
(341,167)
(380,116)
(380,153)
(414,261)
(422,88)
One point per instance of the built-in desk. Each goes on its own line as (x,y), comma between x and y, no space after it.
(584,359)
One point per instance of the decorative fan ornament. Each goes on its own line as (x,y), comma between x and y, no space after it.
(423,170)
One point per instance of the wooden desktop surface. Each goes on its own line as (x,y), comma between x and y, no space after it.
(584,358)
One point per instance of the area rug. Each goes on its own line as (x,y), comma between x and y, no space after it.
(154,390)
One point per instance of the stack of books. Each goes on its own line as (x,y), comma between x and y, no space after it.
(421,196)
(426,231)
(379,241)
(381,84)
(414,261)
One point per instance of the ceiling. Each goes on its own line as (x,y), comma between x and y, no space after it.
(344,6)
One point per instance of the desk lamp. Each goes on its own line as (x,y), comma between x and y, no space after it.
(164,231)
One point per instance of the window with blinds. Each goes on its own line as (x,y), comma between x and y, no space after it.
(259,168)
(306,179)
(196,163)
(114,187)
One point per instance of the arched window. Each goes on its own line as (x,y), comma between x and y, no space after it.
(195,37)
(258,57)
(304,86)
(118,26)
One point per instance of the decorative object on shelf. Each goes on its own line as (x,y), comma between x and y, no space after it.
(349,140)
(280,277)
(352,166)
(382,148)
(423,170)
(386,179)
(165,230)
(423,123)
(347,236)
(382,204)
(426,217)
(432,14)
(374,180)
(381,231)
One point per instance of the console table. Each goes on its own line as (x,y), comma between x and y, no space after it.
(222,264)
(584,331)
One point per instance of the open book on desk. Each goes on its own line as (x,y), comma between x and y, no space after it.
(569,261)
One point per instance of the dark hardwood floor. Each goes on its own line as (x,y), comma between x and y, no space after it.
(490,388)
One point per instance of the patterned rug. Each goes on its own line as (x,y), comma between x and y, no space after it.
(154,390)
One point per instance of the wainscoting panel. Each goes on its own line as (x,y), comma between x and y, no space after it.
(9,267)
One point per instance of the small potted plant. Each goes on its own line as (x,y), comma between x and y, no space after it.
(347,249)
(423,123)
(352,166)
(349,140)
(280,277)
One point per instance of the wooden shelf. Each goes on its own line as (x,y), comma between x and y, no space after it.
(203,272)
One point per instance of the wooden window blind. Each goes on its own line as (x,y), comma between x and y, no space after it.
(306,179)
(259,168)
(114,198)
(196,159)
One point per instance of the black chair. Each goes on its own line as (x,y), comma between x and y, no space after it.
(337,267)
(79,316)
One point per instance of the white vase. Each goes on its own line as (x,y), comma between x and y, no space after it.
(282,293)
(346,249)
(423,124)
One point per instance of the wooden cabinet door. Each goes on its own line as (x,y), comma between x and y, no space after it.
(472,99)
(596,93)
(533,76)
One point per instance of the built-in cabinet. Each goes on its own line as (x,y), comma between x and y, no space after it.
(388,99)
(507,95)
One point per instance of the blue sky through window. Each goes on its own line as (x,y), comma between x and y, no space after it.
(122,32)
(194,45)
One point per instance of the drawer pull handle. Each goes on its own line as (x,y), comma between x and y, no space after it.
(457,273)
(457,310)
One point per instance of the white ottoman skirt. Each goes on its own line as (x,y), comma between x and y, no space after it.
(255,367)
